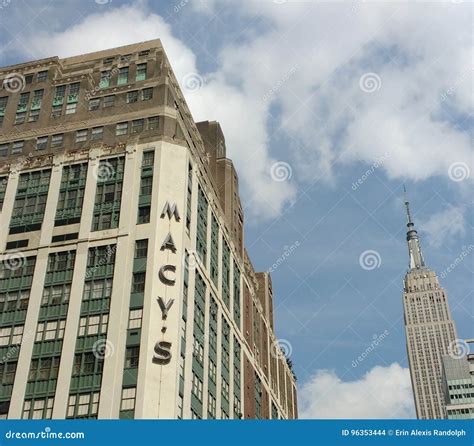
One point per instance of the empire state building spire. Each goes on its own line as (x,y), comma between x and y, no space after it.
(414,248)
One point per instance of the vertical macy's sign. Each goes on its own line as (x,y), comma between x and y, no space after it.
(166,274)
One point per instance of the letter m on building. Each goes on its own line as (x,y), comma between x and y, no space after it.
(171,211)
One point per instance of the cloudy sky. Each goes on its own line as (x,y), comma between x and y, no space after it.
(328,109)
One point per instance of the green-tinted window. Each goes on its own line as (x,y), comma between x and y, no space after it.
(141,72)
(108,194)
(201,233)
(30,201)
(71,194)
(123,76)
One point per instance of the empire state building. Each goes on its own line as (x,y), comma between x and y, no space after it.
(430,330)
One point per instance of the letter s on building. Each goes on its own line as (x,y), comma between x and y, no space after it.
(162,353)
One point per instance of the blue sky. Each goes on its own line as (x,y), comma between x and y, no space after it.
(327,110)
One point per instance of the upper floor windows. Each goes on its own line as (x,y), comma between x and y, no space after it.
(141,72)
(123,76)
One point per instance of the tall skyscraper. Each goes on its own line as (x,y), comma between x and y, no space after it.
(430,331)
(125,287)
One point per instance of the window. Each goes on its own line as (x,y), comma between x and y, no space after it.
(42,76)
(43,369)
(153,123)
(28,79)
(56,111)
(87,364)
(108,60)
(33,116)
(135,318)
(38,409)
(146,186)
(128,398)
(132,96)
(125,58)
(141,248)
(20,118)
(41,143)
(97,289)
(71,108)
(56,294)
(131,357)
(11,335)
(57,140)
(94,104)
(4,150)
(211,406)
(47,331)
(24,98)
(93,325)
(109,101)
(105,79)
(60,91)
(197,387)
(97,133)
(141,72)
(148,158)
(138,282)
(7,373)
(138,125)
(121,129)
(147,94)
(123,76)
(17,147)
(81,135)
(83,405)
(74,88)
(143,214)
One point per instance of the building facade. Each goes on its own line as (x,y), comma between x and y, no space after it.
(458,384)
(429,329)
(125,287)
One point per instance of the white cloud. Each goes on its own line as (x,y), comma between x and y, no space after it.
(383,392)
(304,66)
(444,225)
